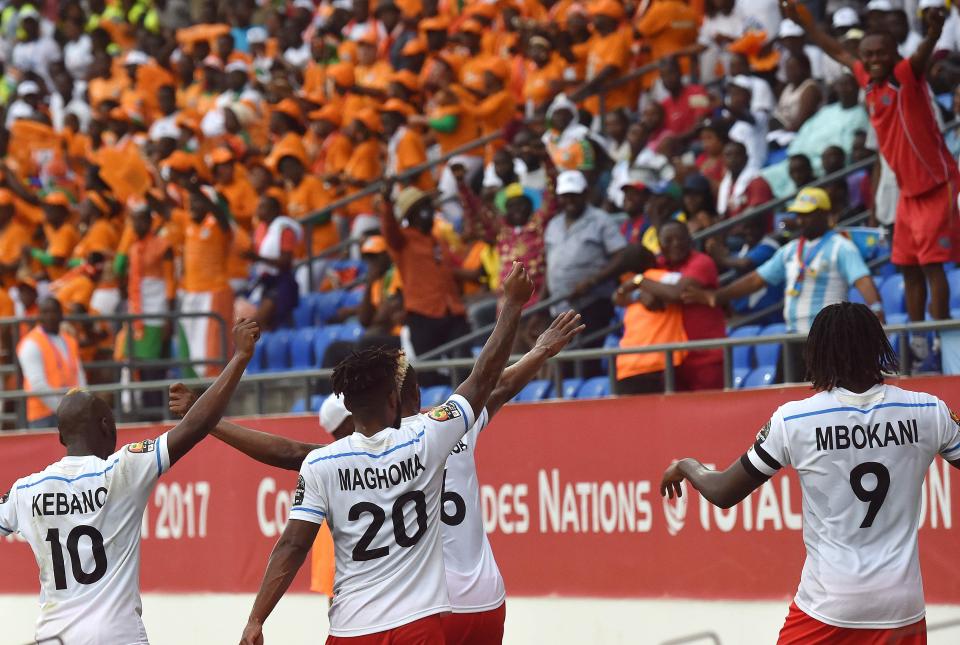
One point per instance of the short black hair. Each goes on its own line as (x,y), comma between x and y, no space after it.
(847,344)
(366,377)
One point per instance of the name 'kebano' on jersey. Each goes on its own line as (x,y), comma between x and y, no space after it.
(380,478)
(878,435)
(63,504)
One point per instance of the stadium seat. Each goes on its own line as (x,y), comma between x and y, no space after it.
(612,340)
(321,341)
(897,319)
(277,351)
(743,355)
(739,376)
(326,304)
(953,277)
(534,391)
(350,331)
(316,400)
(255,366)
(300,405)
(431,397)
(891,293)
(595,388)
(301,348)
(303,313)
(760,377)
(854,295)
(769,353)
(352,298)
(571,386)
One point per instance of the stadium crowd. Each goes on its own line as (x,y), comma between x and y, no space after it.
(159,161)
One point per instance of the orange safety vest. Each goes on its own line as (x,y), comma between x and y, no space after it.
(61,371)
(642,327)
(323,566)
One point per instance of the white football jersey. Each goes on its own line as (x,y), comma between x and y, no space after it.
(381,498)
(862,459)
(82,517)
(473,578)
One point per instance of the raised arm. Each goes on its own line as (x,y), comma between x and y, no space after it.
(921,57)
(518,287)
(205,414)
(285,560)
(392,232)
(830,46)
(561,331)
(724,488)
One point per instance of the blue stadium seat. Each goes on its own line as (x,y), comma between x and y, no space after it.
(854,295)
(350,331)
(891,293)
(739,376)
(255,366)
(321,340)
(303,313)
(352,298)
(431,397)
(345,265)
(301,348)
(300,405)
(534,391)
(571,386)
(743,355)
(612,340)
(595,388)
(769,353)
(760,377)
(316,400)
(897,319)
(953,277)
(277,351)
(326,304)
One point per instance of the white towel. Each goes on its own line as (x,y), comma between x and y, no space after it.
(270,245)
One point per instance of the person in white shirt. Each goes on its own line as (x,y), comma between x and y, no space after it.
(35,51)
(381,491)
(82,515)
(862,449)
(477,595)
(26,105)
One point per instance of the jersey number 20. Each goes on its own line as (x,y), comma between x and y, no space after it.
(874,497)
(73,544)
(362,552)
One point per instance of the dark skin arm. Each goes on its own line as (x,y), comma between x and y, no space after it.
(388,221)
(724,488)
(558,335)
(830,46)
(285,561)
(203,416)
(746,285)
(868,290)
(518,287)
(921,57)
(269,449)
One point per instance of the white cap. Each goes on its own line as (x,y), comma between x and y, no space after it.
(561,102)
(742,81)
(237,66)
(789,29)
(257,35)
(304,4)
(571,182)
(136,57)
(845,17)
(27,88)
(346,5)
(879,5)
(333,412)
(19,110)
(164,129)
(932,4)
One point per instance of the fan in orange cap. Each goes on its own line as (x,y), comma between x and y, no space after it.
(342,75)
(760,54)
(333,148)
(414,47)
(405,146)
(403,85)
(610,8)
(410,8)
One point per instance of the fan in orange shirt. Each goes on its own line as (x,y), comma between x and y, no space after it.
(545,70)
(669,27)
(497,108)
(370,73)
(100,235)
(240,195)
(364,164)
(609,57)
(14,236)
(471,72)
(405,146)
(62,236)
(306,195)
(341,81)
(405,86)
(333,147)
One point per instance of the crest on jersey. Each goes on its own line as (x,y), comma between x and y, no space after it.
(4,497)
(445,412)
(298,495)
(764,432)
(956,419)
(147,445)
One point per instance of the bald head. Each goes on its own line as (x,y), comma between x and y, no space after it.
(86,424)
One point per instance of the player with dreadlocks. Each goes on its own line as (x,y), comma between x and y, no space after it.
(862,449)
(380,491)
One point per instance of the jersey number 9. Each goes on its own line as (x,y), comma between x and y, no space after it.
(874,497)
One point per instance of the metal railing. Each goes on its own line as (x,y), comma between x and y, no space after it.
(308,379)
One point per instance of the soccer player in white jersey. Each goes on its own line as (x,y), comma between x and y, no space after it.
(380,490)
(82,514)
(862,450)
(474,583)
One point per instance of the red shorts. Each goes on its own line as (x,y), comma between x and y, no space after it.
(801,629)
(426,631)
(481,628)
(927,230)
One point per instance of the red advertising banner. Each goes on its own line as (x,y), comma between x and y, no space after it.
(570,499)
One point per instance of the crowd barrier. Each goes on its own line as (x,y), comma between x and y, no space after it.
(569,496)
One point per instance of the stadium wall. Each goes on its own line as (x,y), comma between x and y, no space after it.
(570,500)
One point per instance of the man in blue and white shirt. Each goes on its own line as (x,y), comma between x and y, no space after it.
(817,268)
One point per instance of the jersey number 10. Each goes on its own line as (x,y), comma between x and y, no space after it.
(73,544)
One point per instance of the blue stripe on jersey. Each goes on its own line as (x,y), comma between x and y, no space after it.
(463,413)
(371,454)
(308,510)
(852,409)
(64,479)
(951,448)
(159,464)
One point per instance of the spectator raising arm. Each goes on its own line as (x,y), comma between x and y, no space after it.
(935,17)
(388,221)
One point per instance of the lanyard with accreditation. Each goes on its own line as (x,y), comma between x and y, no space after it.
(804,259)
